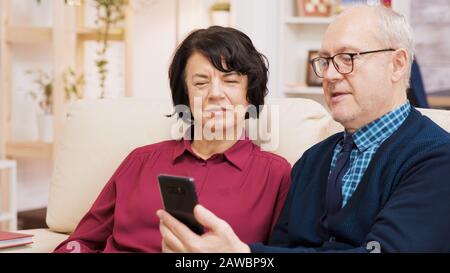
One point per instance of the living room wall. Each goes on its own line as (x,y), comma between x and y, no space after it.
(431,24)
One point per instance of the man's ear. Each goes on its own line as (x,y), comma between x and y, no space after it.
(400,63)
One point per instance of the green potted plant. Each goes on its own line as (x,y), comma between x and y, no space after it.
(109,14)
(43,95)
(72,84)
(220,13)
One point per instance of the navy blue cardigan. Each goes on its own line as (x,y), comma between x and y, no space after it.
(402,201)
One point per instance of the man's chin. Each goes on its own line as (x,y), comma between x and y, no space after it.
(341,117)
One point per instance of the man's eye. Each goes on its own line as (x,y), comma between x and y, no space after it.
(200,84)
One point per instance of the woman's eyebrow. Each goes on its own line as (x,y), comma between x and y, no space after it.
(198,75)
(232,73)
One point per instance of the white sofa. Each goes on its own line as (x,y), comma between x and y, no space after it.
(98,134)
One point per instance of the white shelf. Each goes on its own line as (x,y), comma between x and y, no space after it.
(306,90)
(28,35)
(93,34)
(6,164)
(6,217)
(9,197)
(298,35)
(30,149)
(308,20)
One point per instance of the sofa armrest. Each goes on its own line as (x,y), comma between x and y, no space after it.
(44,241)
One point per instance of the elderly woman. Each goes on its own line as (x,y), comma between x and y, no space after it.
(213,72)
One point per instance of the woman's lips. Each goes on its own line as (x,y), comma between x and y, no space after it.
(216,111)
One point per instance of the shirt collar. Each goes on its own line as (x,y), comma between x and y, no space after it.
(237,154)
(379,130)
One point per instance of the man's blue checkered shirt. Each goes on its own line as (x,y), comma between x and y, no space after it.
(367,141)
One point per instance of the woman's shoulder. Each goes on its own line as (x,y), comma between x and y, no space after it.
(142,154)
(272,157)
(157,147)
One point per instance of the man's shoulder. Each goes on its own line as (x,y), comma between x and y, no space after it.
(429,124)
(421,130)
(320,149)
(325,145)
(418,139)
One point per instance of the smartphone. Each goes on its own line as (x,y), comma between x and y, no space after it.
(179,199)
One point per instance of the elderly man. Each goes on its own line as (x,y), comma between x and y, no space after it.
(381,185)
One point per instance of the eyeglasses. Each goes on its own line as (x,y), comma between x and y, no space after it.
(343,62)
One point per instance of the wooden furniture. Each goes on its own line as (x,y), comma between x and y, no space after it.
(55,37)
(439,99)
(8,184)
(85,33)
(65,38)
(64,55)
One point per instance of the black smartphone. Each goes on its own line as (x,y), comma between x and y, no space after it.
(179,199)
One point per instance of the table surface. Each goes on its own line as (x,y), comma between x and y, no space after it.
(439,99)
(440,93)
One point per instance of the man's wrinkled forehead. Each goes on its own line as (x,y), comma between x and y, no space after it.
(351,32)
(349,35)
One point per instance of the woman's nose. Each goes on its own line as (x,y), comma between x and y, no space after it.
(216,88)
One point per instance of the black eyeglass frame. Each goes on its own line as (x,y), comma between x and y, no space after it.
(352,56)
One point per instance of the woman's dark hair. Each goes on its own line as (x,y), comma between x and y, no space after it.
(221,45)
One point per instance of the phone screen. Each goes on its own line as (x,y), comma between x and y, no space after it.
(179,199)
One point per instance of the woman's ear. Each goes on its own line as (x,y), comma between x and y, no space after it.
(400,63)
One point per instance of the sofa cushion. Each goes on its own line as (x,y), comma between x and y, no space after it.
(294,126)
(98,135)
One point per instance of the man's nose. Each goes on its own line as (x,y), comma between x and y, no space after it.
(331,73)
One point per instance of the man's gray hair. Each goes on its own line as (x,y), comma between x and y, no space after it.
(395,32)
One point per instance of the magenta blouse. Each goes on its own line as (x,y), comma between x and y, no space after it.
(244,186)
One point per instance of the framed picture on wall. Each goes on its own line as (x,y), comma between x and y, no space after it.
(311,77)
(341,5)
(311,8)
